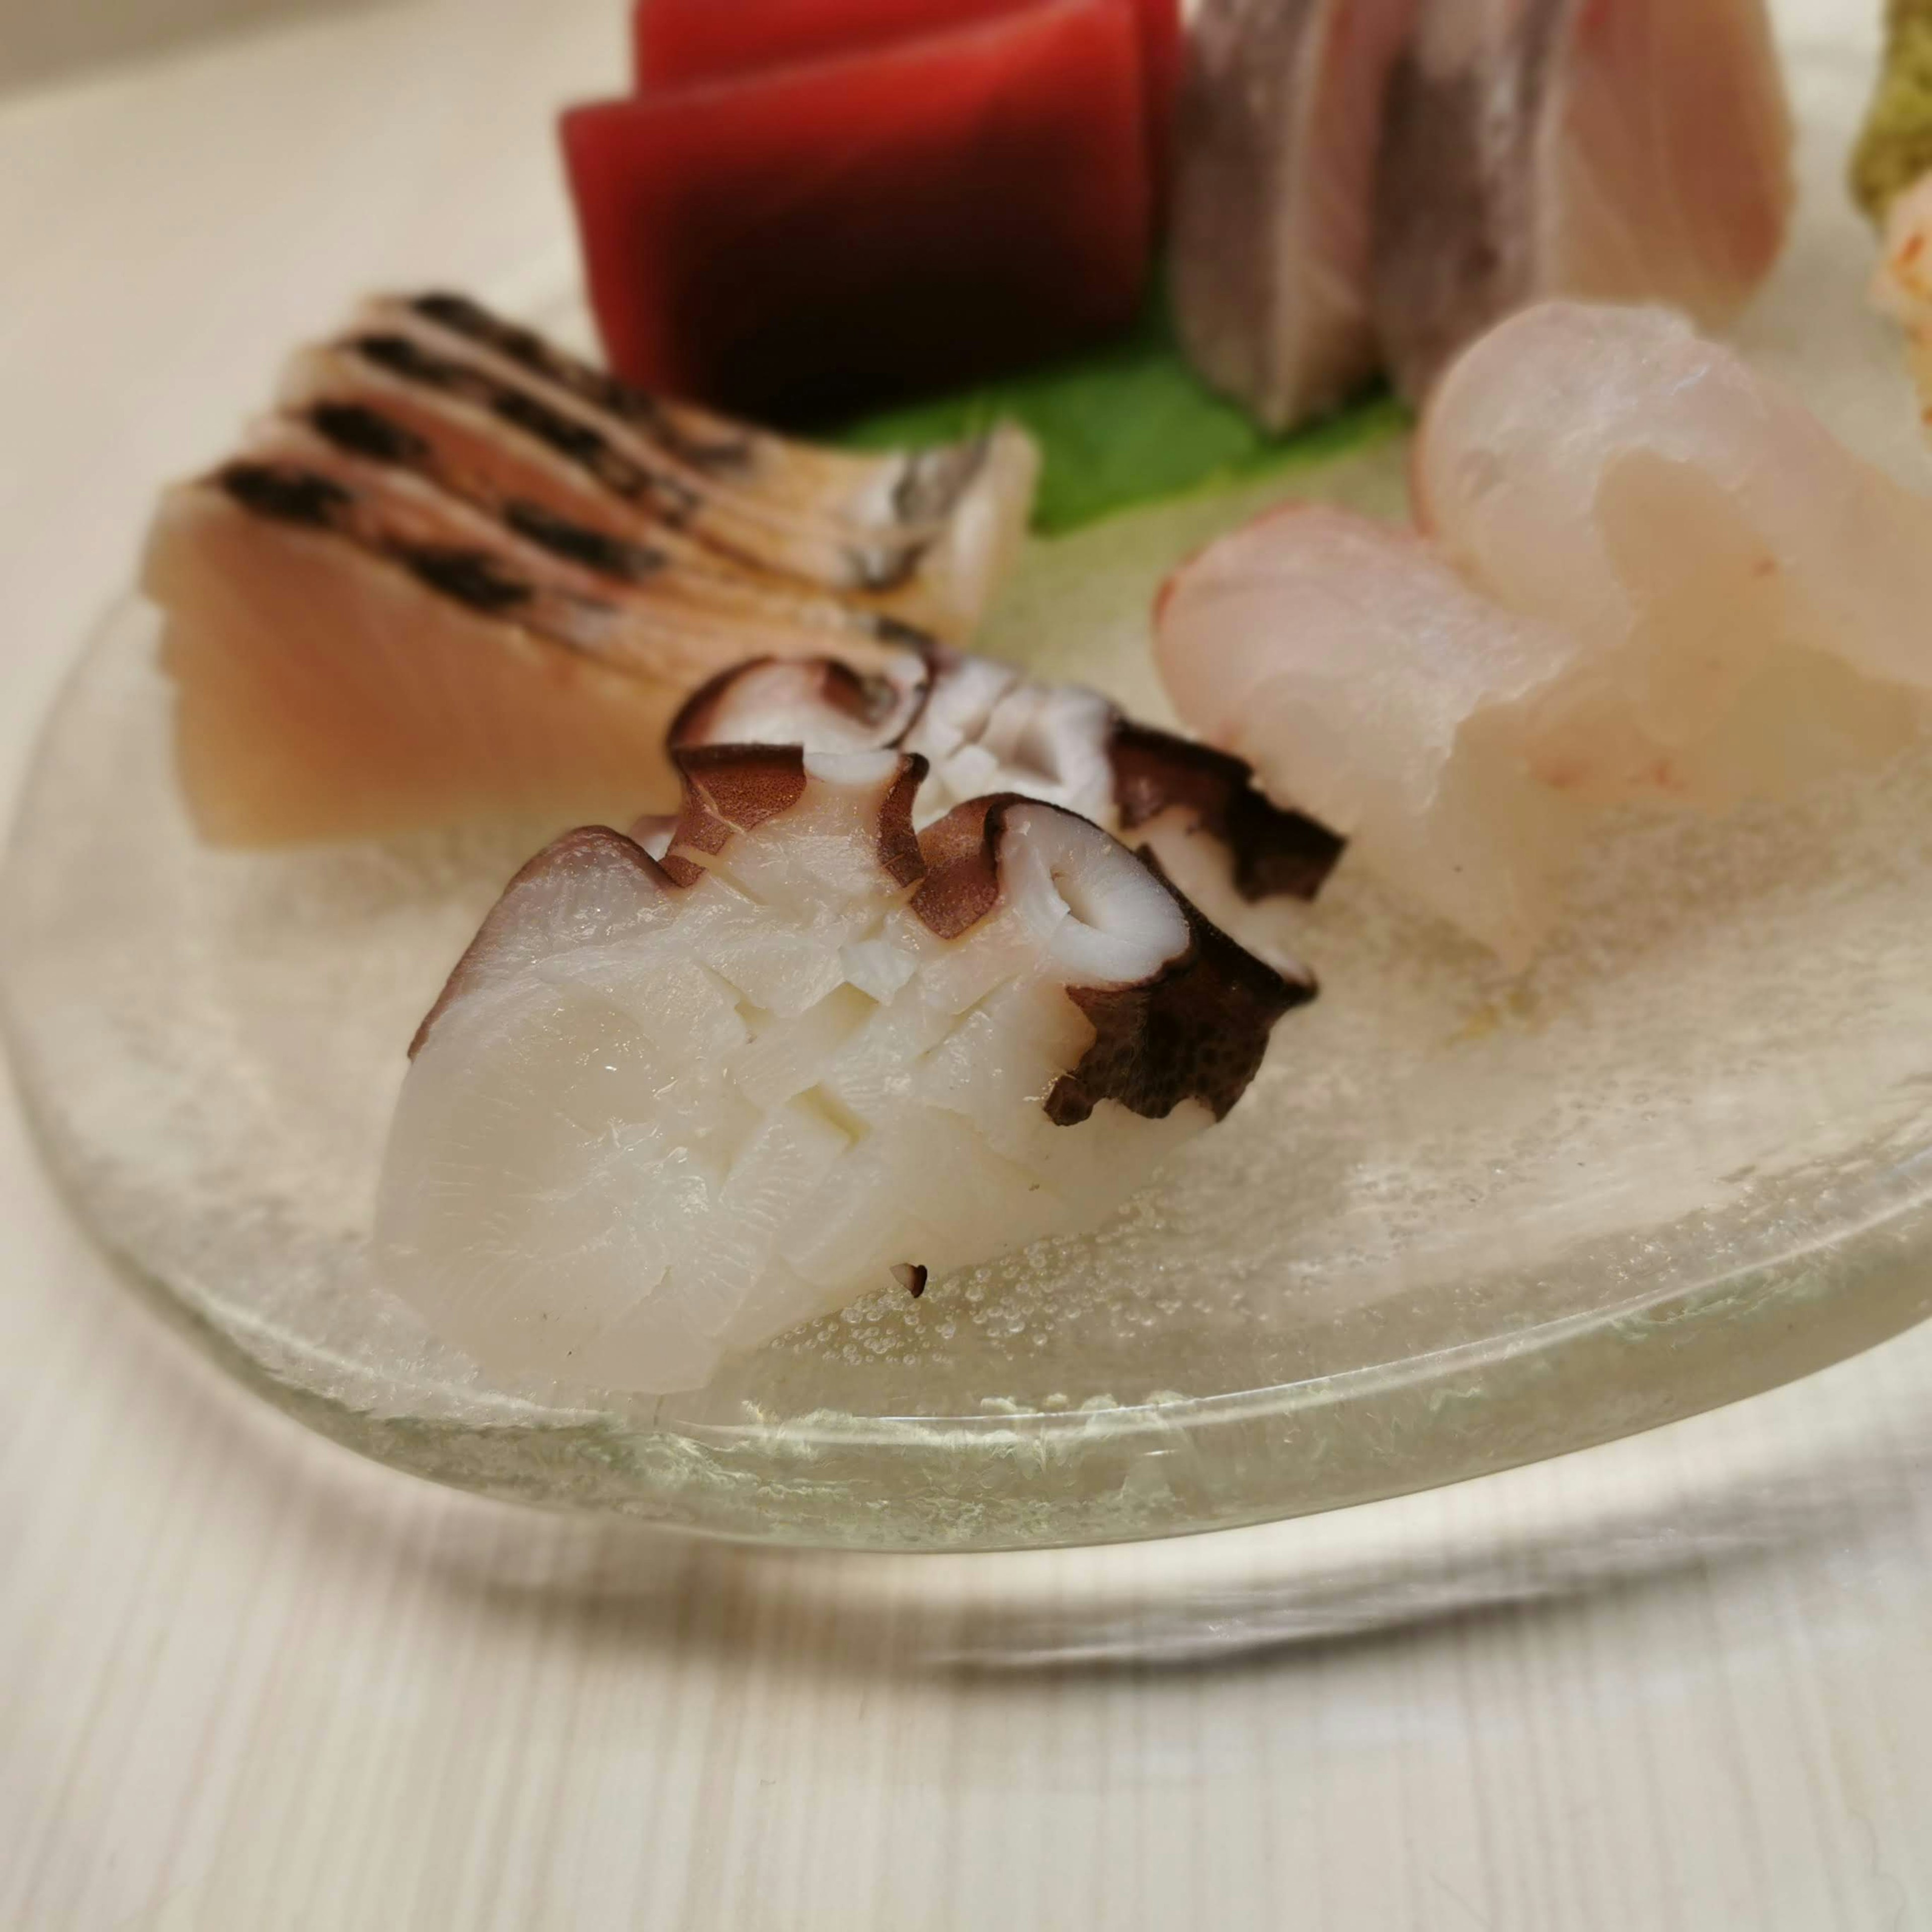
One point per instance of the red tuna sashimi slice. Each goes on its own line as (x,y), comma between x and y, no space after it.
(1637,152)
(809,239)
(1277,134)
(679,41)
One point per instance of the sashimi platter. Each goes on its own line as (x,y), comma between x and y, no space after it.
(1149,766)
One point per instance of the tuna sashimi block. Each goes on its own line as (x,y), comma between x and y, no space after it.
(810,239)
(678,41)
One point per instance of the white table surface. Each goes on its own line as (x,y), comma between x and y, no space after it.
(247,1682)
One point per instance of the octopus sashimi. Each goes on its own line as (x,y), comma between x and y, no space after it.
(1633,152)
(1279,123)
(926,535)
(986,727)
(664,1112)
(1361,676)
(1753,596)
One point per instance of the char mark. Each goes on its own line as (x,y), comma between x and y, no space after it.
(529,352)
(365,432)
(471,577)
(891,630)
(581,443)
(595,550)
(287,494)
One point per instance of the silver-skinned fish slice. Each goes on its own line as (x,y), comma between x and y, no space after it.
(1279,126)
(1638,151)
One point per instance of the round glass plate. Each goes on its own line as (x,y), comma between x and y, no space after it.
(1461,1221)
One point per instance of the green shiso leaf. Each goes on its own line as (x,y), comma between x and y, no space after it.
(1126,424)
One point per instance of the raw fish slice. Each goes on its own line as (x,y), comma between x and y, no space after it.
(627,1149)
(928,534)
(1753,597)
(326,691)
(1279,124)
(985,727)
(1358,674)
(1635,151)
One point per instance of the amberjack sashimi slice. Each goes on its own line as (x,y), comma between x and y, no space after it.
(1633,152)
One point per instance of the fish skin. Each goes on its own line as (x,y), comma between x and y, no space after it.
(1609,150)
(1278,126)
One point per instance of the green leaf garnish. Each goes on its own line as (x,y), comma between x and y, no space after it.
(1125,424)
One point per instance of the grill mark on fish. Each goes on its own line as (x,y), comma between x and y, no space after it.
(363,431)
(595,550)
(467,574)
(471,577)
(475,323)
(418,435)
(287,495)
(581,443)
(891,630)
(878,569)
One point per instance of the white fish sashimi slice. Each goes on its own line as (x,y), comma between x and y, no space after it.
(1279,124)
(1346,662)
(1754,598)
(580,1188)
(1632,152)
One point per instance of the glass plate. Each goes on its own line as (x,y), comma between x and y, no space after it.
(1461,1223)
